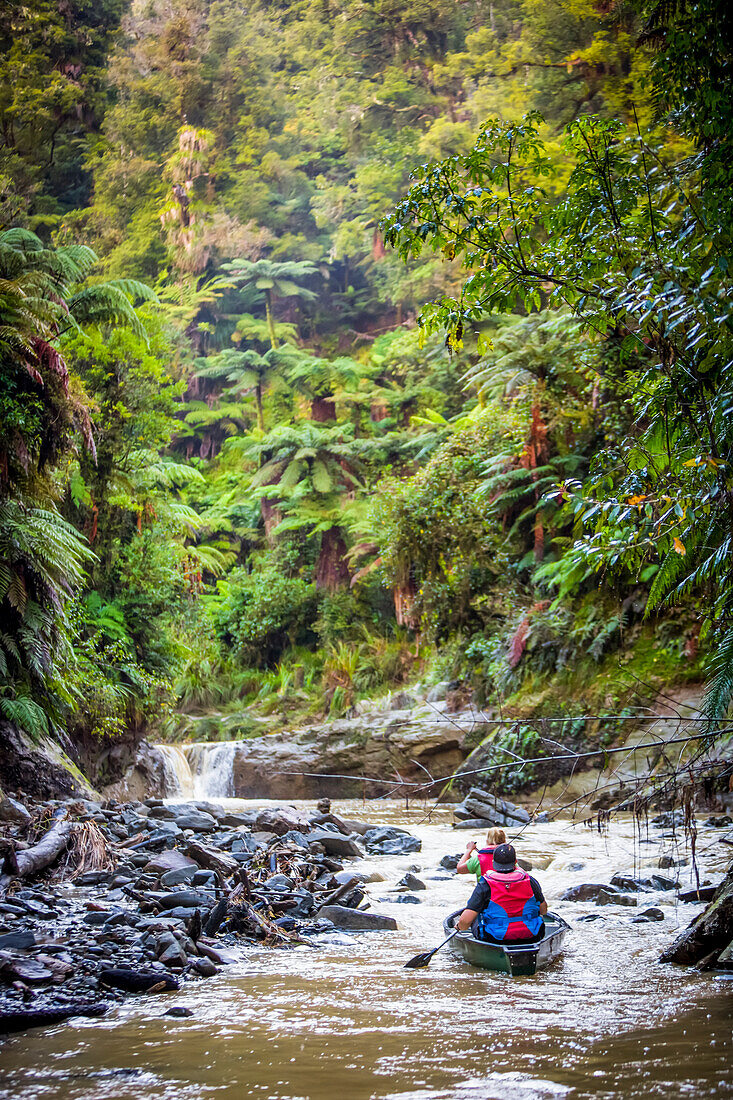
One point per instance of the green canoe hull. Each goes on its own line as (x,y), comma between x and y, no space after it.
(520,960)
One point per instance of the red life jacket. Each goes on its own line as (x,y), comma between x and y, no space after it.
(513,912)
(486,858)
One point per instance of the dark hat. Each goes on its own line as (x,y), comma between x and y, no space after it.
(505,859)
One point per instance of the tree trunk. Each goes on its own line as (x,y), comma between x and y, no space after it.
(258,398)
(270,319)
(323,409)
(332,571)
(271,515)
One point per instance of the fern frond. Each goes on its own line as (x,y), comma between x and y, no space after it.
(719,690)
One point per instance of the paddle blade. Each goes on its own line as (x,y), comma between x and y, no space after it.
(418,962)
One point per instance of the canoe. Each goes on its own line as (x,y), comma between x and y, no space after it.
(521,959)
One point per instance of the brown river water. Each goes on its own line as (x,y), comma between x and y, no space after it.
(347,1022)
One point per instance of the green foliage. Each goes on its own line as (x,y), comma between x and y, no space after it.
(260,614)
(42,562)
(289,489)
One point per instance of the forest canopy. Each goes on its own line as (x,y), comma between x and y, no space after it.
(349,345)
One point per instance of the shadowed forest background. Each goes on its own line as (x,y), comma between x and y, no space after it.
(248,473)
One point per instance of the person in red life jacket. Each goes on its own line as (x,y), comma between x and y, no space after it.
(477,861)
(507,904)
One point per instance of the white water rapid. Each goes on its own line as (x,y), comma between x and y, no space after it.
(201,770)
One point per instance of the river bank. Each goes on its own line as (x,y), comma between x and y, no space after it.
(606,1020)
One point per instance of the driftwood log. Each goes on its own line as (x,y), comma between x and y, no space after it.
(42,1017)
(47,850)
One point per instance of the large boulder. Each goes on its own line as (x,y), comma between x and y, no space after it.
(481,804)
(281,821)
(335,844)
(709,936)
(384,840)
(40,769)
(356,920)
(145,777)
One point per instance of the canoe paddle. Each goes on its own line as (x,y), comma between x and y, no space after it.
(418,962)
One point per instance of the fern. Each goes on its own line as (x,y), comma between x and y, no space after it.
(719,691)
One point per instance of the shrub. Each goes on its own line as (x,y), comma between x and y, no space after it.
(261,614)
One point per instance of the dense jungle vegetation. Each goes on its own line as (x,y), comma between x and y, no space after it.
(345,345)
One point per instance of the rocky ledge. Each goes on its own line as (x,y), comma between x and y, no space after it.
(99,901)
(399,740)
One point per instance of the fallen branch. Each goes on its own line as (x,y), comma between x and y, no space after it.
(47,850)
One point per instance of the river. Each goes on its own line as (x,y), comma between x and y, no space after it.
(347,1022)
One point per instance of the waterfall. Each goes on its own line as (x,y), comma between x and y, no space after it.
(201,770)
(212,769)
(177,772)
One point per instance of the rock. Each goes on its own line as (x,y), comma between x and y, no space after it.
(659,882)
(626,882)
(412,882)
(586,891)
(212,859)
(173,955)
(30,971)
(172,860)
(196,820)
(335,844)
(204,878)
(403,899)
(705,893)
(186,899)
(39,768)
(541,818)
(388,841)
(281,821)
(215,954)
(666,862)
(167,813)
(93,878)
(137,981)
(449,863)
(279,882)
(372,876)
(671,819)
(711,932)
(356,920)
(14,812)
(178,1011)
(177,878)
(278,766)
(474,823)
(648,916)
(479,803)
(96,919)
(438,693)
(17,941)
(612,897)
(402,700)
(573,868)
(714,822)
(205,968)
(294,836)
(590,917)
(216,918)
(725,959)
